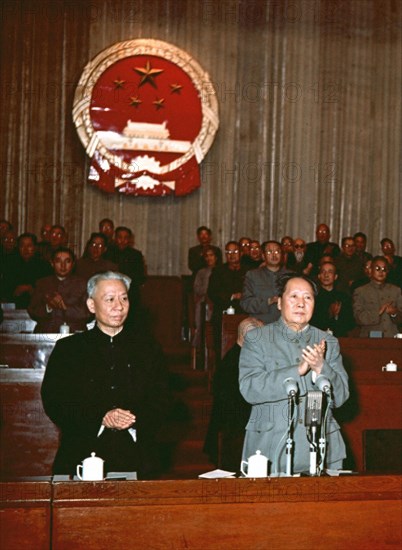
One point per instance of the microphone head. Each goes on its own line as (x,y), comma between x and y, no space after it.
(323,384)
(291,386)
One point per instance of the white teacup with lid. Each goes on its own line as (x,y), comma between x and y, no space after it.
(257,466)
(390,367)
(91,469)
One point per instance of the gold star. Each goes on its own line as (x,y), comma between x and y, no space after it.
(135,101)
(176,88)
(159,103)
(119,84)
(148,74)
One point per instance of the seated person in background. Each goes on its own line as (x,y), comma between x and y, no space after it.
(377,306)
(290,348)
(196,258)
(106,227)
(57,238)
(394,262)
(322,246)
(260,293)
(43,246)
(93,261)
(106,388)
(130,261)
(8,253)
(255,254)
(245,258)
(5,226)
(61,297)
(230,412)
(200,289)
(349,266)
(333,309)
(361,243)
(298,263)
(224,289)
(23,271)
(287,246)
(363,280)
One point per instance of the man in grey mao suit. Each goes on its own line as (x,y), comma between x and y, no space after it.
(290,347)
(260,293)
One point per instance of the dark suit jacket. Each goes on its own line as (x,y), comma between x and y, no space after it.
(74,292)
(89,374)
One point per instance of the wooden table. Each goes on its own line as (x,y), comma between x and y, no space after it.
(25,515)
(348,512)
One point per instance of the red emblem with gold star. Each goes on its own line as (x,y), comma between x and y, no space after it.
(147,114)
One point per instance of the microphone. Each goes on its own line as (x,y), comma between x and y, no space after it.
(291,387)
(323,384)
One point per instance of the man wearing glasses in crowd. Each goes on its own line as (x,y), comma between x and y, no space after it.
(377,306)
(260,293)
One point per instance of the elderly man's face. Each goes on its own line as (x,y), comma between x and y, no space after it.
(379,271)
(110,305)
(297,303)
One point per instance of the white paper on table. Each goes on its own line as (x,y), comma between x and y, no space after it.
(216,474)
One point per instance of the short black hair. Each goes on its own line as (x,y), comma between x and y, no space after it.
(63,249)
(123,228)
(204,228)
(286,277)
(360,234)
(27,235)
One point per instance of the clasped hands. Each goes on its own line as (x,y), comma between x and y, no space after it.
(119,419)
(388,308)
(54,300)
(312,358)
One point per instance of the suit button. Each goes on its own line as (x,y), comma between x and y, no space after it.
(111,367)
(113,387)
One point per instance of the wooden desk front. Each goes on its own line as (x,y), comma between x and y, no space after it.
(355,512)
(25,515)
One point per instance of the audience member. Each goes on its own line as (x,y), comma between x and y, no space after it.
(225,289)
(361,243)
(200,289)
(333,309)
(130,261)
(377,306)
(260,293)
(106,389)
(245,256)
(8,253)
(106,227)
(288,257)
(196,258)
(61,297)
(93,261)
(230,412)
(315,250)
(363,280)
(255,254)
(395,262)
(349,266)
(23,271)
(298,263)
(43,246)
(290,348)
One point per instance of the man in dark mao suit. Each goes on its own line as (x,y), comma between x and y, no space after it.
(106,389)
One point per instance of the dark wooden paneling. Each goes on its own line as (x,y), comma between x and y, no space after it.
(28,439)
(227,514)
(25,515)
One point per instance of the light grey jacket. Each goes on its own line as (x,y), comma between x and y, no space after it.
(270,355)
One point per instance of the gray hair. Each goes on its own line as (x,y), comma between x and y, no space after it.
(107,276)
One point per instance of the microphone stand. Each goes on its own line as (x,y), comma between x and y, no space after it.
(289,441)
